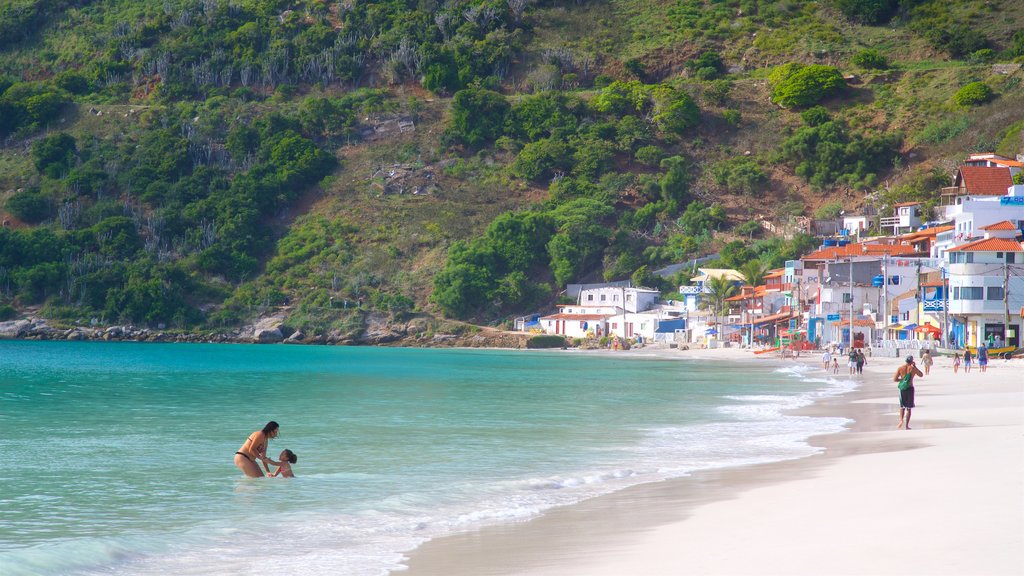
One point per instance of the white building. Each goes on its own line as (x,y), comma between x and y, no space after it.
(635,299)
(986,281)
(574,321)
(973,213)
(907,217)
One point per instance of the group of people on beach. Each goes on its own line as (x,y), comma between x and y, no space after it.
(255,449)
(856,361)
(981,358)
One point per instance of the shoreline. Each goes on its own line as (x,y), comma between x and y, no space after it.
(840,511)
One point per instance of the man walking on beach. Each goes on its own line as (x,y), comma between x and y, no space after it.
(826,359)
(905,376)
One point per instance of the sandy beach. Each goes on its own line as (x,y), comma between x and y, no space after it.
(946,497)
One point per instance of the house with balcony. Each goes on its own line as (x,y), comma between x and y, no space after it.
(986,288)
(973,183)
(692,294)
(906,217)
(632,299)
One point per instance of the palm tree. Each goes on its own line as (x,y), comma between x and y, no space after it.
(754,271)
(719,288)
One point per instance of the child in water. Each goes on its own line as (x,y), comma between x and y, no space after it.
(287,458)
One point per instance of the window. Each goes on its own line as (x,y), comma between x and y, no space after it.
(629,297)
(590,297)
(1011,257)
(956,293)
(994,293)
(615,325)
(847,298)
(972,293)
(616,298)
(603,297)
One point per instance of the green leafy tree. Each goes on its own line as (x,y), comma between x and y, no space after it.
(477,117)
(54,155)
(541,159)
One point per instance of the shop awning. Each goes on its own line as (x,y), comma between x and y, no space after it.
(910,326)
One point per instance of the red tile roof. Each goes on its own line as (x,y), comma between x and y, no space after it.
(905,204)
(926,233)
(990,245)
(984,180)
(1004,225)
(859,249)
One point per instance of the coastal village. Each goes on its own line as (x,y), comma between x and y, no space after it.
(949,278)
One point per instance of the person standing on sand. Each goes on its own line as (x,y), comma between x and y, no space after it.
(956,362)
(826,359)
(926,361)
(861,360)
(967,360)
(255,448)
(907,371)
(851,362)
(835,366)
(983,357)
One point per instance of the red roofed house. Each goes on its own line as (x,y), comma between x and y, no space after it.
(985,286)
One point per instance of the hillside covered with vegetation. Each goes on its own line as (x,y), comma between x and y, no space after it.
(198,164)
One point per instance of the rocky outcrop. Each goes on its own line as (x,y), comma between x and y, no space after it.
(267,336)
(376,329)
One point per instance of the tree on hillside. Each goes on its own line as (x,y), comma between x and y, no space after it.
(478,117)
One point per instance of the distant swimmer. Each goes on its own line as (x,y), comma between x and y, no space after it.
(255,448)
(287,458)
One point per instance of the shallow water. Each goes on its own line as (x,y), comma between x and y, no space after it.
(119,456)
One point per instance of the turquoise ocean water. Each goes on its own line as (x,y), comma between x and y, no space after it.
(117,458)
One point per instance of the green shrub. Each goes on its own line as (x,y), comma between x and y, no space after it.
(30,206)
(546,341)
(973,94)
(870,59)
(867,11)
(731,116)
(649,155)
(796,86)
(740,175)
(7,312)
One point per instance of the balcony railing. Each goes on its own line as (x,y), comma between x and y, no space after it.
(934,305)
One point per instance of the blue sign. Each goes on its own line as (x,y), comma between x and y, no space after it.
(894,319)
(792,323)
(832,317)
(1012,200)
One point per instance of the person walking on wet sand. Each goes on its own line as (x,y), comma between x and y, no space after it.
(956,362)
(926,361)
(905,376)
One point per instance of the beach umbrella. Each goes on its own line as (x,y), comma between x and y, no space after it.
(927,329)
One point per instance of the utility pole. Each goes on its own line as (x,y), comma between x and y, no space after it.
(945,310)
(1006,301)
(851,302)
(885,297)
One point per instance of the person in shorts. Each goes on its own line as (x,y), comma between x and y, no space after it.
(907,394)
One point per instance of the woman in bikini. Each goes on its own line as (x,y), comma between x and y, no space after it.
(255,448)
